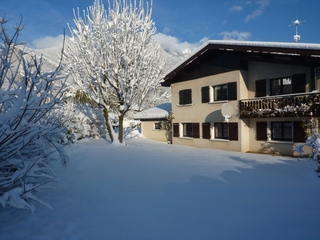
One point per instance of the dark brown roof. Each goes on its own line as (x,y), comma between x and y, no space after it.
(308,50)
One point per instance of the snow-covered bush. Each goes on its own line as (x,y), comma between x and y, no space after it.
(82,120)
(312,144)
(29,122)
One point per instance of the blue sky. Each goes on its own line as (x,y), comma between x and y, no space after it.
(181,23)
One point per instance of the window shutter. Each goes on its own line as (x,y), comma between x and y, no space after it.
(299,134)
(233,131)
(185,97)
(205,97)
(232,91)
(195,130)
(261,131)
(181,97)
(206,130)
(261,86)
(298,83)
(176,129)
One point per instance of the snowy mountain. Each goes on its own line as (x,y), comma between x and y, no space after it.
(52,56)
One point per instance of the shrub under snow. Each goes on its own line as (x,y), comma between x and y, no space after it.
(29,122)
(83,121)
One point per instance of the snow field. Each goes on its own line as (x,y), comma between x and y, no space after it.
(152,190)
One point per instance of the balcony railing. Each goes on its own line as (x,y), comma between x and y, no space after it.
(293,105)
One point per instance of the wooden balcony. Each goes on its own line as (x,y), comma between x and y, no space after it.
(293,105)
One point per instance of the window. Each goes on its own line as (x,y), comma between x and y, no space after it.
(185,97)
(221,130)
(187,129)
(226,131)
(206,130)
(281,131)
(191,130)
(280,86)
(287,85)
(225,92)
(157,126)
(220,92)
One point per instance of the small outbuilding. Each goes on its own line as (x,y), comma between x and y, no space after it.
(154,122)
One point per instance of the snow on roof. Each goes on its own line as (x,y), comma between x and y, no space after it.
(294,45)
(158,112)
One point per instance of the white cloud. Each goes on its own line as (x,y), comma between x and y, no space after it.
(47,42)
(172,44)
(262,4)
(235,35)
(236,9)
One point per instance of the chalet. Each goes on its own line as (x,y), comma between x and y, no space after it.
(271,87)
(153,121)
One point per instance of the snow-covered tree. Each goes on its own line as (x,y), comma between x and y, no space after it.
(113,58)
(29,122)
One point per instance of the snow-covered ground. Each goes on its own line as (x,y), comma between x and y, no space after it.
(151,190)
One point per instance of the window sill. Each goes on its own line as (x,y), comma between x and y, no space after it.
(188,138)
(219,140)
(185,105)
(280,142)
(216,102)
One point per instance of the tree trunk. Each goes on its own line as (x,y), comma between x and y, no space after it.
(108,125)
(120,133)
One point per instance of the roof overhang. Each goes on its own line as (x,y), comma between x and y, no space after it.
(307,50)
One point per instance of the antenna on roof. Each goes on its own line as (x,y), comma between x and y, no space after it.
(297,23)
